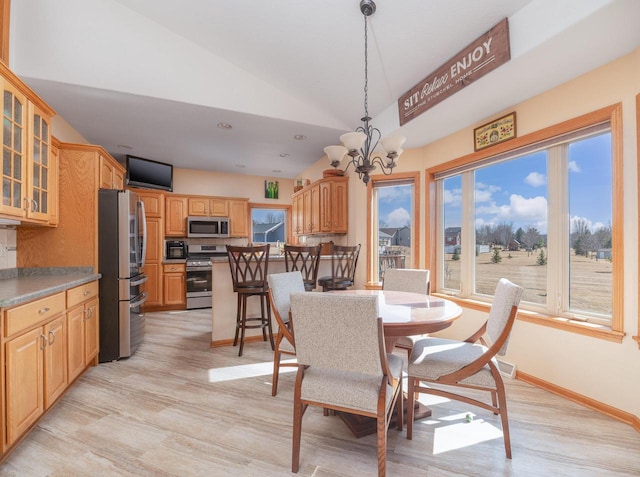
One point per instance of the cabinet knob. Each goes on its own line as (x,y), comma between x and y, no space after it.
(42,311)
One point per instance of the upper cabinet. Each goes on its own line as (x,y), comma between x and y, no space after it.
(29,169)
(175,224)
(321,208)
(239,218)
(208,207)
(111,173)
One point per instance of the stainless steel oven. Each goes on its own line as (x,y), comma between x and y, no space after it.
(199,274)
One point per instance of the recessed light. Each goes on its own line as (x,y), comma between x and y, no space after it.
(240,166)
(276,171)
(300,137)
(124,146)
(284,154)
(224,126)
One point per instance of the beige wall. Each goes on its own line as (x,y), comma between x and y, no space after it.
(601,370)
(191,181)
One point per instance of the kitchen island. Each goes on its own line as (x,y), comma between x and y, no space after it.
(225,299)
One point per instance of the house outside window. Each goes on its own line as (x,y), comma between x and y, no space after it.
(393,235)
(268,225)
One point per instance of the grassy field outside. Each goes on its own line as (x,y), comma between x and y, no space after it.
(591,283)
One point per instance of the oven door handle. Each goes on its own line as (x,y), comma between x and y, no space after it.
(141,298)
(198,269)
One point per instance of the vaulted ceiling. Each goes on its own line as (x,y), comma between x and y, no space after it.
(154,78)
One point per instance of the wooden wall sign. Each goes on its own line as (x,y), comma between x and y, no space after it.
(476,60)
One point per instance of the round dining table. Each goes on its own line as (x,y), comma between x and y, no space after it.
(407,314)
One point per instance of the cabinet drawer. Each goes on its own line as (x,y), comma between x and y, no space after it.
(25,316)
(174,268)
(81,293)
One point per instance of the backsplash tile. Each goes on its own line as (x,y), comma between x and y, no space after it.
(8,254)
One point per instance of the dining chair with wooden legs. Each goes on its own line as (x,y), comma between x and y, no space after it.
(281,285)
(343,364)
(412,280)
(469,364)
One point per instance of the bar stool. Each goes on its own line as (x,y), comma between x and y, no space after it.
(344,259)
(248,267)
(305,259)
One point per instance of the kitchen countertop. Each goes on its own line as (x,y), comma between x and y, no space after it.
(32,283)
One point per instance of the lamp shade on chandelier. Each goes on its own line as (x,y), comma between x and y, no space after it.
(361,144)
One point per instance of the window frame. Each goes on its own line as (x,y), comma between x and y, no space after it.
(613,114)
(376,181)
(284,207)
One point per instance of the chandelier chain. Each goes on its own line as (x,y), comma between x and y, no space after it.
(366,69)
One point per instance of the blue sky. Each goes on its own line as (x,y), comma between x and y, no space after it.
(394,206)
(516,191)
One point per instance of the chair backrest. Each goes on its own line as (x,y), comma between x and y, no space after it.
(303,258)
(406,279)
(249,266)
(344,259)
(506,296)
(338,332)
(281,285)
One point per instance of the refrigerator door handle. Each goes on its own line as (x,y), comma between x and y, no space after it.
(142,297)
(139,281)
(144,233)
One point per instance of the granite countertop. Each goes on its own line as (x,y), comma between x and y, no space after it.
(29,284)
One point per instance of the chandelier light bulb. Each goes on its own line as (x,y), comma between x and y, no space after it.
(393,144)
(335,154)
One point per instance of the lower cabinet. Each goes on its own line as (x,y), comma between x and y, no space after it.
(174,285)
(35,362)
(47,343)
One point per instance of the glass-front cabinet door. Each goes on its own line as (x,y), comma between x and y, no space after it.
(41,167)
(14,175)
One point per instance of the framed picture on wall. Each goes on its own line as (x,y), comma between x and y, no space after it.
(270,189)
(495,132)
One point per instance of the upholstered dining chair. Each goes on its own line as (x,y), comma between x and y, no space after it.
(249,266)
(470,363)
(409,280)
(344,259)
(342,363)
(303,258)
(281,285)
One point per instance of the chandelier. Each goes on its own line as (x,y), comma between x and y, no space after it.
(360,145)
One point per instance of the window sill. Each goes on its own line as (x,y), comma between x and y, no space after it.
(560,323)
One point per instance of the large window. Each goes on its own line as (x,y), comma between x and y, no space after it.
(393,212)
(544,215)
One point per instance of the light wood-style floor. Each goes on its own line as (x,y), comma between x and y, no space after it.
(180,408)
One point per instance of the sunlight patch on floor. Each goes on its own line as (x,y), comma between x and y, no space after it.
(242,371)
(456,435)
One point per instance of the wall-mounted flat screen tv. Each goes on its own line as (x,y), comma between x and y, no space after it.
(149,174)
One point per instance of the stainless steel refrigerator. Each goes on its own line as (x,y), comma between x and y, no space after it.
(121,254)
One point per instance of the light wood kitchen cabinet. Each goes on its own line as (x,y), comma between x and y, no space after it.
(73,243)
(35,350)
(111,173)
(176,211)
(208,207)
(25,382)
(153,202)
(239,218)
(29,185)
(83,326)
(153,263)
(174,285)
(153,286)
(321,208)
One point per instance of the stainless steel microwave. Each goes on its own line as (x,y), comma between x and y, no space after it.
(207,226)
